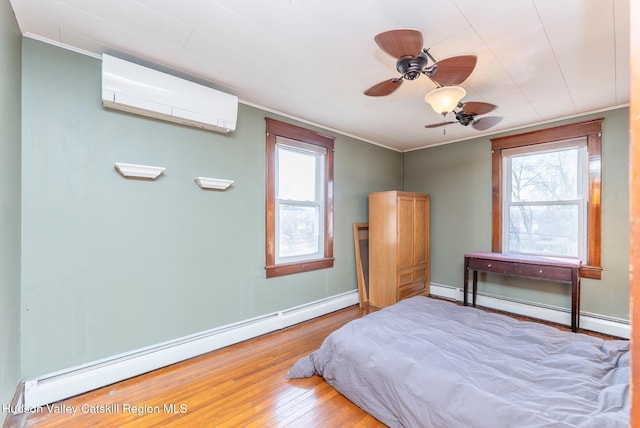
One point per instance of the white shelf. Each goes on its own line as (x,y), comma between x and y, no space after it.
(139,171)
(213,183)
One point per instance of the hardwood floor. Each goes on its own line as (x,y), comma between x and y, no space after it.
(243,385)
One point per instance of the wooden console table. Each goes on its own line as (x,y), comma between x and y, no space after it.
(552,269)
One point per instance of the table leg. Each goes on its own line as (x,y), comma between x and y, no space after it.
(575,299)
(578,302)
(475,287)
(465,288)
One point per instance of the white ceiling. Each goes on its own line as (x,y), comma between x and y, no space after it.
(538,60)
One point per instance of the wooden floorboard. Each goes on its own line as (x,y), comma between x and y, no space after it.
(243,385)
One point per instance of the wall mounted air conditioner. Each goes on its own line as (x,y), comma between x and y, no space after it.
(141,90)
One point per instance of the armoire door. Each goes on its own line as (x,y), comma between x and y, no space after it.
(421,231)
(405,222)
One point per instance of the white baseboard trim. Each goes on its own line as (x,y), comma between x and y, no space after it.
(592,322)
(66,383)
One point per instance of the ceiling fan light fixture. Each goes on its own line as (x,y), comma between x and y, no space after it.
(444,99)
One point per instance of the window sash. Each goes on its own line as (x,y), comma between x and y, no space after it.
(547,241)
(282,254)
(579,229)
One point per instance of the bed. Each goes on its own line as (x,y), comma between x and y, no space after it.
(425,362)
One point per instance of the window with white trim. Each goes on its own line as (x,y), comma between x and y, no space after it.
(546,197)
(299,200)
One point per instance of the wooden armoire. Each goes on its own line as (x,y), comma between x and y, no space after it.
(399,256)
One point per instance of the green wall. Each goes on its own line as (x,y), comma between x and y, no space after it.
(109,265)
(10,41)
(112,264)
(458,177)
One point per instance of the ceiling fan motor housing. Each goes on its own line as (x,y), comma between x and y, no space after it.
(465,118)
(411,67)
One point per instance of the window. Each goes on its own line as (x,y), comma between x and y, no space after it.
(299,200)
(545,199)
(299,221)
(546,194)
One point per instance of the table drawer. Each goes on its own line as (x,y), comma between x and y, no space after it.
(491,266)
(547,272)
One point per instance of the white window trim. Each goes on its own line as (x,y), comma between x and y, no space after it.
(581,203)
(320,156)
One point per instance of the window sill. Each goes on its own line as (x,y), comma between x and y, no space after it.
(591,272)
(297,267)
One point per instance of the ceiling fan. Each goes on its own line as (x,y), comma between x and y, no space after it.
(468,115)
(413,60)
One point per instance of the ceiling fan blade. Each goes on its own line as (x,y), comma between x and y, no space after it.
(436,125)
(399,43)
(454,70)
(477,108)
(383,88)
(485,123)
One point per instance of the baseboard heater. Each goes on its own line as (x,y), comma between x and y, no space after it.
(66,383)
(592,322)
(62,384)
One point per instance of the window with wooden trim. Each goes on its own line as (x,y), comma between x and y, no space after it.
(299,220)
(546,193)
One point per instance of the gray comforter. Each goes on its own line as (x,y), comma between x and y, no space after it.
(430,363)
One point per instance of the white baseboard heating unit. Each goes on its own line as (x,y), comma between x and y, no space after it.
(62,384)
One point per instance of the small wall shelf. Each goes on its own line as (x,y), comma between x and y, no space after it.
(213,183)
(129,170)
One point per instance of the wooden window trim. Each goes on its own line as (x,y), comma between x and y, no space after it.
(592,131)
(276,128)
